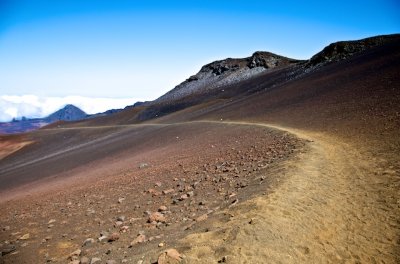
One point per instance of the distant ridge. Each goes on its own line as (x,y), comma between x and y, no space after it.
(67,113)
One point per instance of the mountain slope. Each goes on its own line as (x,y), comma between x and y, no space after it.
(301,160)
(230,78)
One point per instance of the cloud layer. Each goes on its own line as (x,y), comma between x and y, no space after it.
(32,106)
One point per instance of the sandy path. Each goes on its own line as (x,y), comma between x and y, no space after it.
(332,208)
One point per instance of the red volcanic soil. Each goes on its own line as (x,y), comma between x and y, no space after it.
(11,144)
(194,170)
(300,169)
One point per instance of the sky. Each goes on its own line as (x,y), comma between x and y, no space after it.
(109,54)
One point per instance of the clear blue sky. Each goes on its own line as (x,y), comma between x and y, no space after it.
(142,49)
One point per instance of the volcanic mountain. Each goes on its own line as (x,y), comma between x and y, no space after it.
(67,113)
(254,160)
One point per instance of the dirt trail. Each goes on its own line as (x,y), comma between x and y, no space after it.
(332,208)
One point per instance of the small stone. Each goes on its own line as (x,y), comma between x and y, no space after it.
(138,240)
(111,261)
(87,242)
(170,256)
(202,218)
(158,184)
(121,218)
(156,217)
(153,192)
(168,191)
(6,228)
(74,255)
(183,197)
(85,260)
(75,262)
(124,228)
(143,165)
(190,194)
(161,244)
(51,221)
(223,260)
(25,237)
(162,208)
(95,260)
(120,200)
(102,238)
(113,237)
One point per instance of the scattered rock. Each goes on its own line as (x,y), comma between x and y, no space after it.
(124,228)
(85,260)
(168,191)
(103,238)
(88,242)
(154,192)
(95,260)
(202,218)
(113,237)
(224,259)
(156,217)
(74,255)
(170,256)
(121,218)
(183,197)
(162,208)
(138,240)
(143,165)
(25,237)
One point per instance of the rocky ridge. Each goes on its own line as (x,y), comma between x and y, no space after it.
(342,50)
(225,72)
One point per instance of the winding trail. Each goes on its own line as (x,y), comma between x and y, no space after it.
(331,208)
(334,204)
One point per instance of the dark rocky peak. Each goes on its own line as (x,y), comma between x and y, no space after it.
(344,49)
(258,59)
(267,60)
(68,113)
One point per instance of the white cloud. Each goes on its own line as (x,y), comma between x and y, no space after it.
(31,106)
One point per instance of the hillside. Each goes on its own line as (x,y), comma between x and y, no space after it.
(299,157)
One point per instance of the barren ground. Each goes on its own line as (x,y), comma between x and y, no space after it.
(305,171)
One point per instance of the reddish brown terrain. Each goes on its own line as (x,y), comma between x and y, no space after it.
(299,163)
